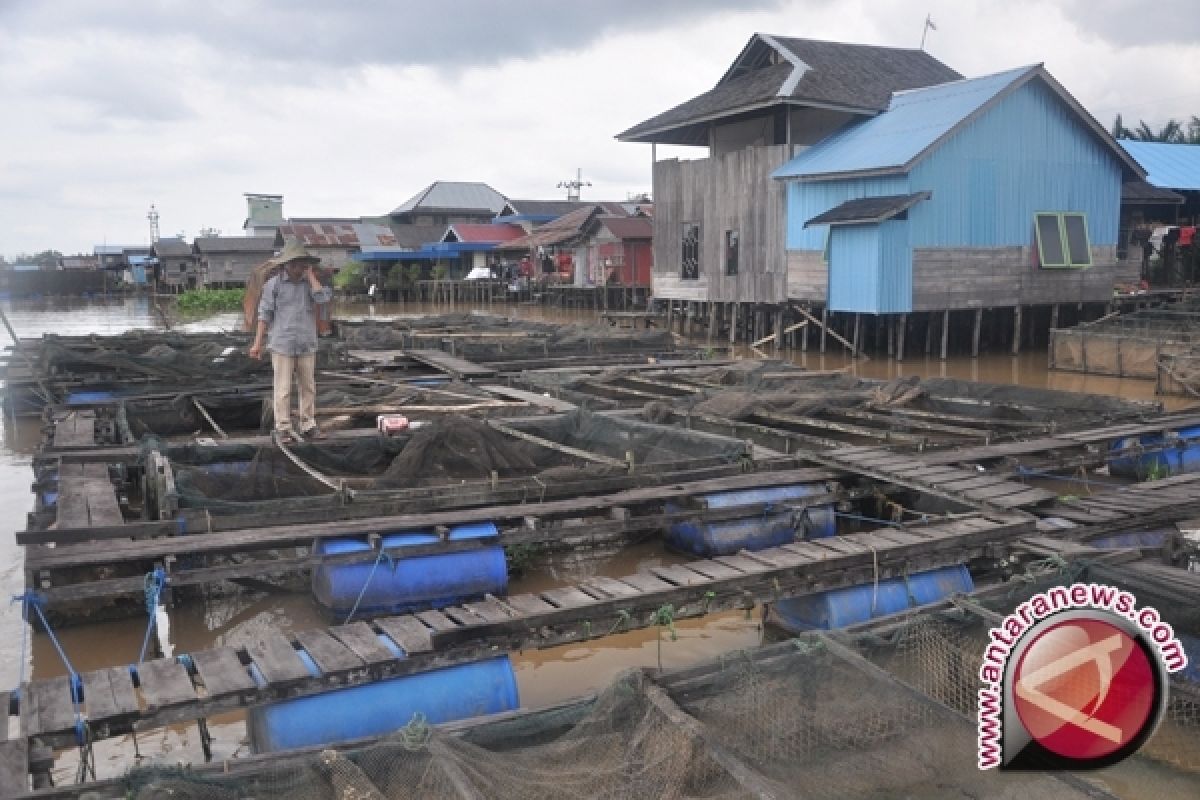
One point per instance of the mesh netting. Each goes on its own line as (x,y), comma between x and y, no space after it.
(804,722)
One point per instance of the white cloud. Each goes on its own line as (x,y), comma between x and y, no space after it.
(349,108)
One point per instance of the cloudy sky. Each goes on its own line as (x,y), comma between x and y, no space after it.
(348,108)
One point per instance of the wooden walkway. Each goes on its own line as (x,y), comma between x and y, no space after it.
(1145,504)
(959,485)
(86,497)
(166,691)
(451,365)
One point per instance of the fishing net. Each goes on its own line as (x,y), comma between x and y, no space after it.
(793,721)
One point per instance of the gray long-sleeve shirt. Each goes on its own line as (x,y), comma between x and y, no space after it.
(290,311)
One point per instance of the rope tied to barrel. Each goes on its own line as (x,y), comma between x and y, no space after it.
(383,554)
(152,587)
(31,599)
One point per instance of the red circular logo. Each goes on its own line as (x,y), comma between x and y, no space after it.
(1084,689)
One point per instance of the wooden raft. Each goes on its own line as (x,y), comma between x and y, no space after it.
(86,497)
(353,654)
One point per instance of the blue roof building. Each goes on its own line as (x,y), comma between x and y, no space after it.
(999,191)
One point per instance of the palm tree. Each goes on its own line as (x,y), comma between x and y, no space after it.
(1173,131)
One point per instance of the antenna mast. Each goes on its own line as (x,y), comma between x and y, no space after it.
(574,186)
(153,217)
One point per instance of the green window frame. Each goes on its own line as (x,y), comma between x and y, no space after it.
(1062,240)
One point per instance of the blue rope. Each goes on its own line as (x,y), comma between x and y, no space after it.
(382,555)
(35,601)
(152,586)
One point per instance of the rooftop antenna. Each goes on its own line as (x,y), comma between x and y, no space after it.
(928,26)
(153,217)
(574,186)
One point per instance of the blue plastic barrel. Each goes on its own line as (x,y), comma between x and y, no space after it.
(838,608)
(1173,459)
(758,532)
(376,709)
(409,584)
(1135,539)
(84,398)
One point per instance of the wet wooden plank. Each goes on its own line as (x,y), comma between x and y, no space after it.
(363,642)
(463,616)
(222,672)
(741,564)
(56,711)
(714,569)
(489,610)
(408,632)
(645,582)
(277,659)
(612,587)
(164,682)
(437,620)
(98,695)
(567,597)
(529,604)
(680,576)
(14,767)
(328,653)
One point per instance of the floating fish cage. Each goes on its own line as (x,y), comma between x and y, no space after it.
(1127,346)
(1156,455)
(775,525)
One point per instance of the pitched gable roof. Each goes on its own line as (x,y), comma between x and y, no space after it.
(172,247)
(917,121)
(564,229)
(337,233)
(773,70)
(627,228)
(1167,165)
(482,234)
(453,196)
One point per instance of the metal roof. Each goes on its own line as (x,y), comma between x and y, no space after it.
(172,247)
(235,244)
(1168,166)
(869,209)
(335,233)
(472,232)
(453,196)
(917,121)
(1142,193)
(772,70)
(627,228)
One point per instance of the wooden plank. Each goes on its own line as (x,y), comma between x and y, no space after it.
(277,659)
(680,576)
(222,672)
(611,586)
(463,616)
(452,365)
(714,569)
(567,597)
(14,767)
(5,700)
(98,694)
(164,682)
(407,632)
(56,710)
(646,583)
(489,610)
(102,505)
(1001,489)
(77,429)
(533,398)
(328,653)
(1028,497)
(363,642)
(978,482)
(741,563)
(437,620)
(529,604)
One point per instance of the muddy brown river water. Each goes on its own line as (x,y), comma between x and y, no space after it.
(544,677)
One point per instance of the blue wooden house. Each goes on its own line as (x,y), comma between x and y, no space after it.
(992,192)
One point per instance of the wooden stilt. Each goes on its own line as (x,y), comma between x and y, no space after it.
(778,330)
(1054,316)
(857,331)
(890,324)
(733,322)
(824,327)
(901,329)
(975,335)
(1016,338)
(712,321)
(945,331)
(928,334)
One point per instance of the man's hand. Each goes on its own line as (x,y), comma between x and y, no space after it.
(256,351)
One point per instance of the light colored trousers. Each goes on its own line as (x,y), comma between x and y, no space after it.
(303,367)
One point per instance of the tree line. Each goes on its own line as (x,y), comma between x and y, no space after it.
(1173,131)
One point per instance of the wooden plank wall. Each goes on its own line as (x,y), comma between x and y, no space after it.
(728,192)
(1004,277)
(807,276)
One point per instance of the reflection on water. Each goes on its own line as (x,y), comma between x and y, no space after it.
(232,618)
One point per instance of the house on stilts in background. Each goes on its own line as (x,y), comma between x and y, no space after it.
(869,193)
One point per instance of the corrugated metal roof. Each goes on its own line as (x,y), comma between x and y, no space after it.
(629,227)
(333,233)
(868,209)
(235,244)
(1141,192)
(814,72)
(454,195)
(915,120)
(172,247)
(1169,166)
(470,232)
